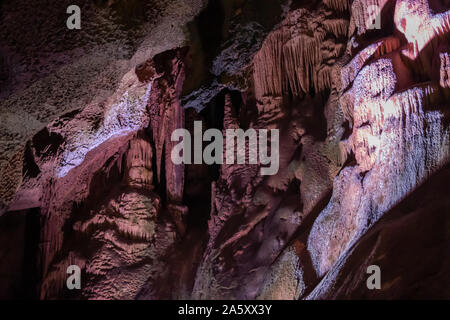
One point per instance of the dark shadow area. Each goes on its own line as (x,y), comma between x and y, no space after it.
(20,266)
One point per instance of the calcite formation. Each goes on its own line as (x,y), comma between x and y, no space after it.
(361,104)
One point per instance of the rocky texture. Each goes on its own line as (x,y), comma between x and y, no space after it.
(362,115)
(409,243)
(397,142)
(49,71)
(257,217)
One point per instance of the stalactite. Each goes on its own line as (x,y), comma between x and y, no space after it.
(292,58)
(338,27)
(139,164)
(340,5)
(167,115)
(300,55)
(441,23)
(267,66)
(322,79)
(388,45)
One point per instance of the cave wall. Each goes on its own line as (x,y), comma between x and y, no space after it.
(362,116)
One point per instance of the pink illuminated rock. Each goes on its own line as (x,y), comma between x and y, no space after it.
(420,26)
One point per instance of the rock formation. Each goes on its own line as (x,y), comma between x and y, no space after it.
(86,127)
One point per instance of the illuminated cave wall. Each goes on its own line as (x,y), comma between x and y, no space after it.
(87,176)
